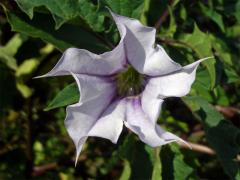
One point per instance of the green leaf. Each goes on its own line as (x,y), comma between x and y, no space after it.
(65,10)
(214,15)
(65,37)
(210,64)
(232,76)
(23,88)
(130,8)
(202,85)
(69,95)
(8,51)
(136,154)
(199,41)
(173,165)
(201,44)
(183,13)
(27,67)
(8,60)
(146,7)
(222,50)
(221,134)
(14,43)
(157,166)
(126,171)
(237,11)
(140,157)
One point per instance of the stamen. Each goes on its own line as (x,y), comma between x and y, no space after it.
(129,82)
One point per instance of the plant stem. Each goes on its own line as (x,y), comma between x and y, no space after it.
(164,16)
(29,141)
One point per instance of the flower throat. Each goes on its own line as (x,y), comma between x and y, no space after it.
(129,82)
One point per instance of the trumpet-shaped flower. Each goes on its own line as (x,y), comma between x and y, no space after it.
(125,86)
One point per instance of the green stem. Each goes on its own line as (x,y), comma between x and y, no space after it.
(29,141)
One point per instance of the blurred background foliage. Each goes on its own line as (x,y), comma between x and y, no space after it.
(33,140)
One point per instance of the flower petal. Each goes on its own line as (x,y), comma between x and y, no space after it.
(110,124)
(143,34)
(158,63)
(141,53)
(151,105)
(96,95)
(175,84)
(139,123)
(169,136)
(81,61)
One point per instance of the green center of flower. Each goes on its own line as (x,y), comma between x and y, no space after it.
(129,82)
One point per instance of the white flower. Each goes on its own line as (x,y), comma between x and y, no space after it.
(124,86)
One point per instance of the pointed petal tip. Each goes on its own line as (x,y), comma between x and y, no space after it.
(41,76)
(114,141)
(203,59)
(210,57)
(196,63)
(76,161)
(78,150)
(114,16)
(108,8)
(185,143)
(49,74)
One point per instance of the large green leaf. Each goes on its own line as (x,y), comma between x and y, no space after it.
(222,135)
(141,163)
(173,165)
(201,44)
(65,37)
(68,35)
(130,8)
(69,95)
(144,162)
(222,50)
(139,159)
(65,10)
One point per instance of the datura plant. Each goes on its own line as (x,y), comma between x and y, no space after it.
(124,86)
